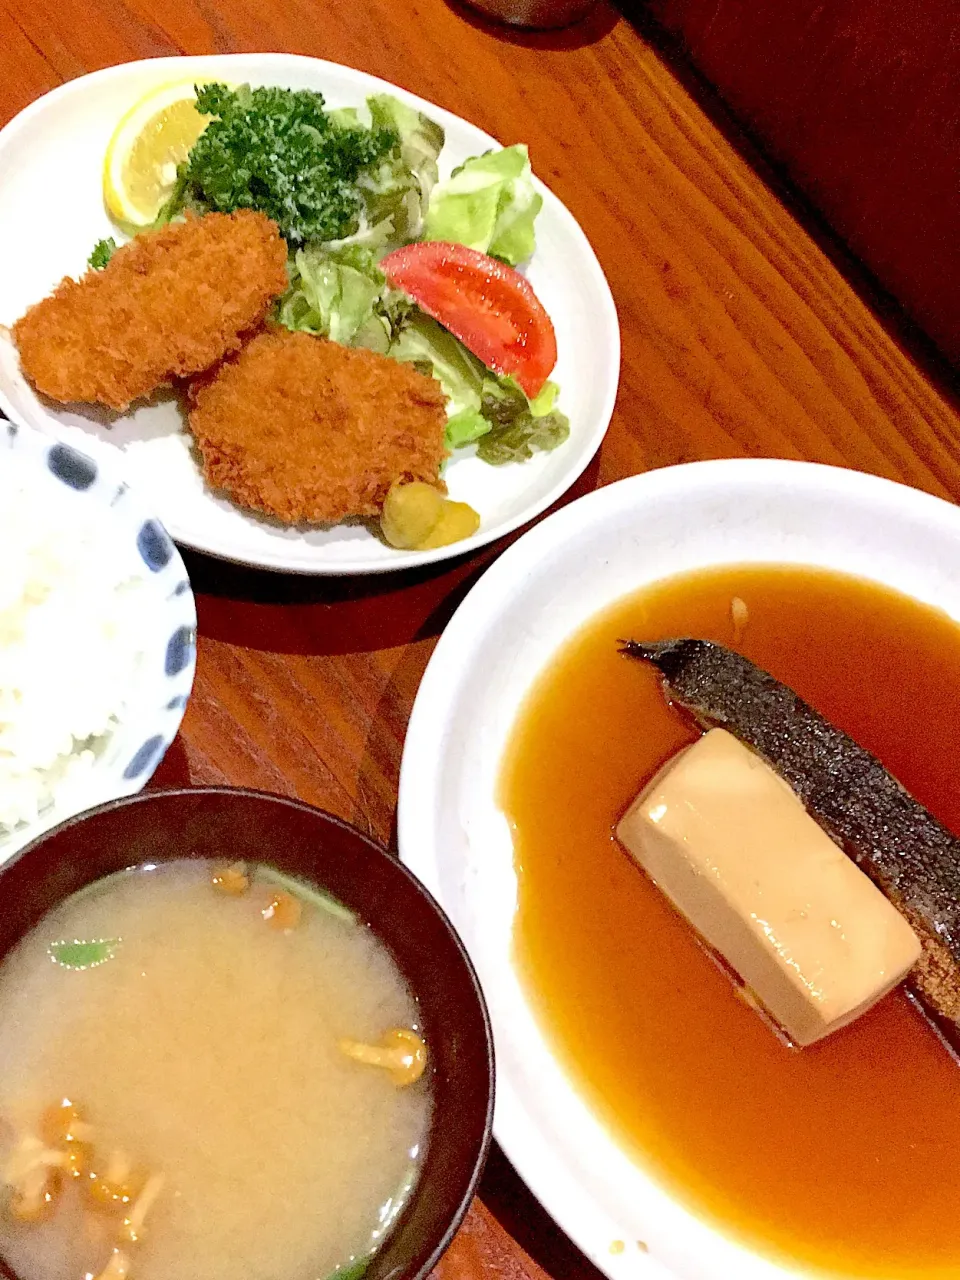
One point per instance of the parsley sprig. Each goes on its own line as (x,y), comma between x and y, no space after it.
(277,150)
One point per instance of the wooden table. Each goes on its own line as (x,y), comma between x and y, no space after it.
(739,338)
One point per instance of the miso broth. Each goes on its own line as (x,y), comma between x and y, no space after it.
(203,1034)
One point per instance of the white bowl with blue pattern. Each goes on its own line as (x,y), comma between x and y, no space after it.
(150,635)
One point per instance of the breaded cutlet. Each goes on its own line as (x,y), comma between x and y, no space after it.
(169,304)
(304,429)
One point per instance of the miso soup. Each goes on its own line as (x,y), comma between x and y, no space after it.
(205,1071)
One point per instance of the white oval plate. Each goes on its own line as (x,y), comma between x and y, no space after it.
(52,214)
(453,835)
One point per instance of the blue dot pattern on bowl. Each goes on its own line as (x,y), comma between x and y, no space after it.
(71,467)
(145,757)
(166,631)
(179,651)
(154,545)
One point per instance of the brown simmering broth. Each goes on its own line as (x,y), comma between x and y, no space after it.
(844,1155)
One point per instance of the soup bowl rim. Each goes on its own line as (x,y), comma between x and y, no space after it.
(398,869)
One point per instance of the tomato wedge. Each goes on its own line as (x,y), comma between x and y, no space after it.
(487,305)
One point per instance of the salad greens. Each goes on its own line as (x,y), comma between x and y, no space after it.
(426,343)
(341,294)
(521,427)
(395,192)
(482,405)
(489,204)
(434,350)
(347,186)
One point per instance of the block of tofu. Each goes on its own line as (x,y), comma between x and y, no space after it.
(735,851)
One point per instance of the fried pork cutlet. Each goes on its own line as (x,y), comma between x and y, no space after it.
(306,430)
(169,304)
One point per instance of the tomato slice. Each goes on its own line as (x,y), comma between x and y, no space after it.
(487,305)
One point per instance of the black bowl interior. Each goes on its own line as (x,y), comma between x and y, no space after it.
(226,823)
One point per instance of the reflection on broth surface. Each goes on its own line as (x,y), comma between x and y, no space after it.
(180,1091)
(842,1155)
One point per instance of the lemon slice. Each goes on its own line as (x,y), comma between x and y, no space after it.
(140,167)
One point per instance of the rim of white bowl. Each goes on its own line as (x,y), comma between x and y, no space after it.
(526,1143)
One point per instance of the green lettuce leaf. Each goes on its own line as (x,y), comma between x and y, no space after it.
(394,192)
(519,427)
(464,427)
(329,296)
(520,439)
(489,204)
(482,407)
(421,141)
(422,341)
(545,400)
(434,350)
(341,294)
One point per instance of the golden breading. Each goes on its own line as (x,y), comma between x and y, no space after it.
(169,304)
(306,430)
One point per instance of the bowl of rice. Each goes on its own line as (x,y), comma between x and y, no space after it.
(97,636)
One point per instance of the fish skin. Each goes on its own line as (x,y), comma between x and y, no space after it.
(911,856)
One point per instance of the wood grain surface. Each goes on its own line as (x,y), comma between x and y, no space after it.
(859,100)
(739,338)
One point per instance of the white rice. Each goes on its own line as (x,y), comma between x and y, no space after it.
(70,646)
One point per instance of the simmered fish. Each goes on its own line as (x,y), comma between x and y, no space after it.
(898,843)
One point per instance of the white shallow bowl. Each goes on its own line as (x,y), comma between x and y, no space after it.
(52,156)
(453,835)
(158,603)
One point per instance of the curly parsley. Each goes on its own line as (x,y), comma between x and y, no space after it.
(278,151)
(102,252)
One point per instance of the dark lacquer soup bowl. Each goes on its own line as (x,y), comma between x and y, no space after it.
(237,825)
